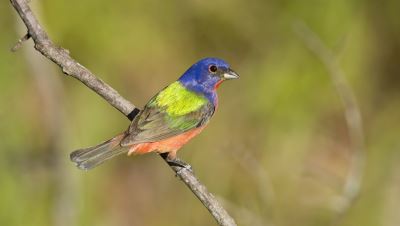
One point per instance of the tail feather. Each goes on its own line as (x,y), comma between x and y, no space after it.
(88,158)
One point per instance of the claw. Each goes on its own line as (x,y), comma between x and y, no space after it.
(177,163)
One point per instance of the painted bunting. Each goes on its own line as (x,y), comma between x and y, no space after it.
(169,120)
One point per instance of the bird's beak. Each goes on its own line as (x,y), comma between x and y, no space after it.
(230,74)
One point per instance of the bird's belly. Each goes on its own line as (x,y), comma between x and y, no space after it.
(171,144)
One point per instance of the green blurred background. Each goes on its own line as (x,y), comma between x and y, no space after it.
(278,150)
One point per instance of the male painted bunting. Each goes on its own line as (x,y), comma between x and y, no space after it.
(169,120)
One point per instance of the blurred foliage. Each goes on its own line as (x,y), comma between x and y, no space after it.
(277,151)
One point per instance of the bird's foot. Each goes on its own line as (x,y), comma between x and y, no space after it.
(176,162)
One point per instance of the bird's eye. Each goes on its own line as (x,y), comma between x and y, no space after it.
(213,68)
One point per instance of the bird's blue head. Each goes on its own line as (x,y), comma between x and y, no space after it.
(206,75)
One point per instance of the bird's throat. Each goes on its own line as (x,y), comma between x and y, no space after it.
(218,84)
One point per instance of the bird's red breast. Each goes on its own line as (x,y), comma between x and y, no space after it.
(171,145)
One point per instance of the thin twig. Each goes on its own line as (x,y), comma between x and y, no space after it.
(71,67)
(19,42)
(352,114)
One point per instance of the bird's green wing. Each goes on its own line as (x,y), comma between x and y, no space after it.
(173,111)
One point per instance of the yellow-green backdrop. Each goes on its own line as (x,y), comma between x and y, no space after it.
(277,152)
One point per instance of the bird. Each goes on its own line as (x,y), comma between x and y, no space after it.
(169,120)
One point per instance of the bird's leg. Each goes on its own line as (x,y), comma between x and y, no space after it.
(172,160)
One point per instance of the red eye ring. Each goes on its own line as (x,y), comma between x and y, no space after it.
(212,68)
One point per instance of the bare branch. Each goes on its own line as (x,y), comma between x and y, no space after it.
(352,112)
(71,67)
(208,199)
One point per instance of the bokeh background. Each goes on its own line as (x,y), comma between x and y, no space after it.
(278,151)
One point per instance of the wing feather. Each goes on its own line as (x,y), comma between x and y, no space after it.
(154,124)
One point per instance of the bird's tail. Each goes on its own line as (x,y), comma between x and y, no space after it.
(88,158)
